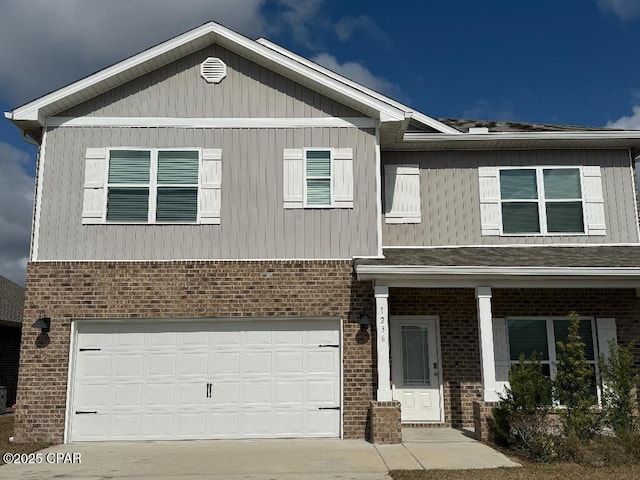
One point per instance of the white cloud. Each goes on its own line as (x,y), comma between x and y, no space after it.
(624,9)
(347,26)
(631,122)
(298,16)
(47,44)
(358,73)
(16,209)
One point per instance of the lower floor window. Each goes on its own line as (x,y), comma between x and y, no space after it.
(540,336)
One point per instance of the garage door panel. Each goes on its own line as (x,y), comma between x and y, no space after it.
(323,392)
(129,365)
(288,392)
(127,395)
(92,395)
(288,362)
(321,361)
(256,392)
(149,380)
(224,363)
(161,364)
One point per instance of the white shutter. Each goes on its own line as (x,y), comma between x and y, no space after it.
(501,353)
(342,178)
(293,178)
(402,194)
(489,185)
(210,186)
(95,178)
(593,201)
(606,331)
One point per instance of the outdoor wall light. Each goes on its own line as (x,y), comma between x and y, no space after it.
(365,321)
(43,323)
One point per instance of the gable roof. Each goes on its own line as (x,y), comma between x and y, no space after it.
(11,302)
(32,115)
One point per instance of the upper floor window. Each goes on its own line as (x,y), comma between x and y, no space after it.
(151,185)
(318,177)
(541,200)
(155,186)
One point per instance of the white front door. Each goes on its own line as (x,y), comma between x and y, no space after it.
(169,380)
(415,372)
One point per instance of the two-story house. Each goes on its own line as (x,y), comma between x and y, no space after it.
(218,220)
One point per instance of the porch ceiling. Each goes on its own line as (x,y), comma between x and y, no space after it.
(530,266)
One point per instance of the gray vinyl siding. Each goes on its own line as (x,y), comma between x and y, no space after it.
(451,205)
(254,224)
(178,90)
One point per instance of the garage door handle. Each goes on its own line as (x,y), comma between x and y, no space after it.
(84,412)
(329,346)
(329,408)
(89,349)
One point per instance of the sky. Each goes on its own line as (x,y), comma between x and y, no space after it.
(572,62)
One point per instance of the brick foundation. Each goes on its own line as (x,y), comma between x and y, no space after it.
(385,422)
(74,290)
(482,415)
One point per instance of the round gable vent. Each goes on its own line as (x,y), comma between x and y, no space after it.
(213,70)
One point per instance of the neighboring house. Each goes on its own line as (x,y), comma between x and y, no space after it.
(11,304)
(215,215)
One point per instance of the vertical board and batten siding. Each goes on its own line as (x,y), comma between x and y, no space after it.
(177,90)
(451,201)
(254,223)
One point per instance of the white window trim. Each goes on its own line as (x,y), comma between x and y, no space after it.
(152,185)
(306,177)
(551,345)
(541,201)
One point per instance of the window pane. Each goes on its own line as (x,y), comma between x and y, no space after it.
(319,192)
(129,166)
(528,336)
(415,355)
(520,218)
(518,185)
(561,330)
(177,205)
(562,183)
(564,217)
(178,167)
(128,204)
(318,163)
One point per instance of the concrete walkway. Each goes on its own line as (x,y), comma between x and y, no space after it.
(260,459)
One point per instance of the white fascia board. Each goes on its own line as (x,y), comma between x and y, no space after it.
(375,271)
(492,136)
(420,117)
(30,111)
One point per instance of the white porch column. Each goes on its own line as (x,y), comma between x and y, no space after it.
(382,334)
(485,326)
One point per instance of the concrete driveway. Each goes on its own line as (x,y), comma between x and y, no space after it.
(258,459)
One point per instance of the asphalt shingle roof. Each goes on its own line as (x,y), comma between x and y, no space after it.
(11,301)
(536,256)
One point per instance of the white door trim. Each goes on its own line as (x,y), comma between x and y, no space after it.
(418,319)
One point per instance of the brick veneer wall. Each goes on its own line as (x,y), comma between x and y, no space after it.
(457,311)
(72,290)
(385,422)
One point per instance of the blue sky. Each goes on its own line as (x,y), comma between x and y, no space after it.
(549,61)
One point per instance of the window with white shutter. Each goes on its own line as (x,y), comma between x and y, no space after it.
(541,201)
(134,185)
(318,178)
(402,194)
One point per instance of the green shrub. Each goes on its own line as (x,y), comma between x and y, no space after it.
(520,421)
(572,386)
(618,378)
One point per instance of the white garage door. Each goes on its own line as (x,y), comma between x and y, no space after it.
(190,380)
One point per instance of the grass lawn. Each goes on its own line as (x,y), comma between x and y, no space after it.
(562,471)
(6,431)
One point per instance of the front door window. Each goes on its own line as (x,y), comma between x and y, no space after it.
(415,355)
